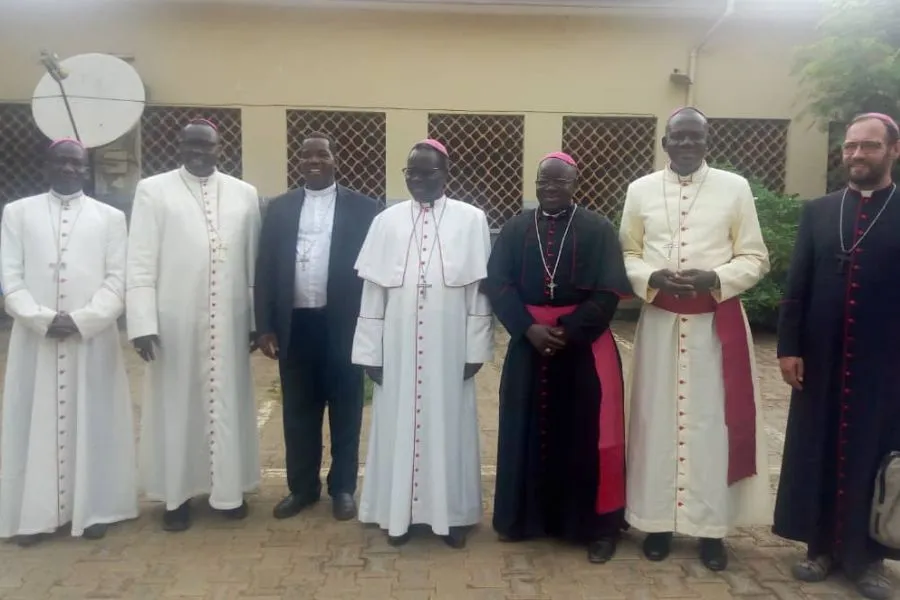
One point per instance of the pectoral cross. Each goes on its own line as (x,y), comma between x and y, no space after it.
(422,287)
(219,248)
(551,287)
(843,258)
(303,260)
(57,267)
(670,247)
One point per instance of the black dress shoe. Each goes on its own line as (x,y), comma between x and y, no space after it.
(510,539)
(95,532)
(713,554)
(178,519)
(398,540)
(602,550)
(343,507)
(236,514)
(27,541)
(456,538)
(292,504)
(657,546)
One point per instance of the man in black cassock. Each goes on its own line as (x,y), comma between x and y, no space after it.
(838,349)
(555,277)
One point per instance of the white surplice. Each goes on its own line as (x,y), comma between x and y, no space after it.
(191,260)
(677,437)
(68,434)
(422,318)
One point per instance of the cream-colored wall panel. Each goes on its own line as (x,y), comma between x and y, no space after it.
(409,64)
(264,135)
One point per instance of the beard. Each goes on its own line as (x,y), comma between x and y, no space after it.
(871,177)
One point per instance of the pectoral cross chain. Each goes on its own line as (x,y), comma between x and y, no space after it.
(843,258)
(422,287)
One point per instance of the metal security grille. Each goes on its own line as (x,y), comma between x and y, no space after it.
(22,147)
(360,140)
(611,152)
(486,160)
(757,148)
(160,126)
(836,175)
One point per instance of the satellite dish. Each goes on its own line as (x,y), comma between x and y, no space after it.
(102,94)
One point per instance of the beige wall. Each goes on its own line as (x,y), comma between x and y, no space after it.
(406,65)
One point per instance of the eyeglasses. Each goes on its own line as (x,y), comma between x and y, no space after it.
(866,146)
(419,172)
(557,182)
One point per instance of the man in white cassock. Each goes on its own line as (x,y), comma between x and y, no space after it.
(424,331)
(696,451)
(191,260)
(67,452)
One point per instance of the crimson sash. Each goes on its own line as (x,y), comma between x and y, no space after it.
(740,405)
(611,488)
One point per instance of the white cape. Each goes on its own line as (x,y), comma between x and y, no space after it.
(423,464)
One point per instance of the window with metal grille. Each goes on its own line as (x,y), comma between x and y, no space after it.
(611,152)
(836,175)
(360,140)
(486,160)
(22,147)
(757,148)
(161,125)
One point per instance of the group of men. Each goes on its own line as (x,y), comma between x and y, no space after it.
(332,286)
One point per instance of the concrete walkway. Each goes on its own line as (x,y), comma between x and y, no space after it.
(314,557)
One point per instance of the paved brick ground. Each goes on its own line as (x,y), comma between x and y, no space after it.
(314,557)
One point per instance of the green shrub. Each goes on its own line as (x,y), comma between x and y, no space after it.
(779,215)
(369,390)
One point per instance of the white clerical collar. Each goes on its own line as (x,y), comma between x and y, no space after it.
(188,176)
(699,173)
(328,192)
(65,198)
(436,205)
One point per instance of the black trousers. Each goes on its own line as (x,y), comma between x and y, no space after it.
(311,378)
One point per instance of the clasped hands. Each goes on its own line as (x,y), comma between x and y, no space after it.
(146,345)
(62,326)
(545,339)
(376,374)
(683,283)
